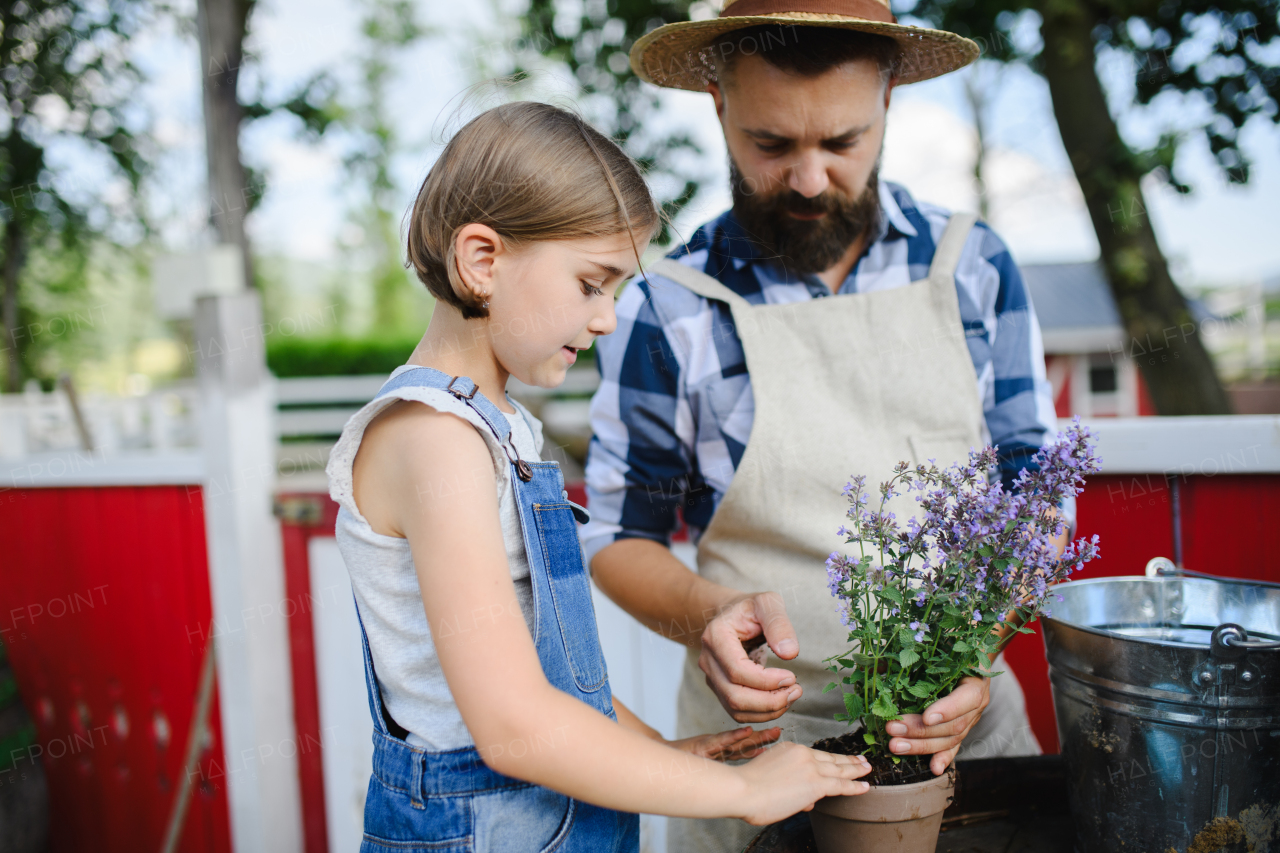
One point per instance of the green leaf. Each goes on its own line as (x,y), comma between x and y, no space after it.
(961,646)
(869,738)
(853,704)
(829,688)
(884,708)
(920,689)
(906,657)
(890,593)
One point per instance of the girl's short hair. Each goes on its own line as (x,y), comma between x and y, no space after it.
(531,172)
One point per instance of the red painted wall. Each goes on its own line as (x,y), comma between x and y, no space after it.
(1229,528)
(104,608)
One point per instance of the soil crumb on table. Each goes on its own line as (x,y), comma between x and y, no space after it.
(1217,833)
(908,769)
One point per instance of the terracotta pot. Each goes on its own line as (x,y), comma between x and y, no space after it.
(886,819)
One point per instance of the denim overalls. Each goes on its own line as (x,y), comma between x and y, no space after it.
(451,801)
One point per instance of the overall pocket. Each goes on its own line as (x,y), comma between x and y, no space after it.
(391,822)
(571,594)
(529,819)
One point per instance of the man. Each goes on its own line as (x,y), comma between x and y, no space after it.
(827,325)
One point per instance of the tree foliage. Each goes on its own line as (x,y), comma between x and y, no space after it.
(68,87)
(1220,55)
(593,40)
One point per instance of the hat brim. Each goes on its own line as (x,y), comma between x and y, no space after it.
(678,56)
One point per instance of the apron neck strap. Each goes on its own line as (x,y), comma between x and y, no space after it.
(699,282)
(947,255)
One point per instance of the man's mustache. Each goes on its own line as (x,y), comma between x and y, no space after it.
(793,202)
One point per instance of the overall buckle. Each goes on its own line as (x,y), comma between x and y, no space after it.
(457,393)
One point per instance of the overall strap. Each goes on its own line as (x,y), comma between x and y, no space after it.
(947,256)
(468,392)
(699,282)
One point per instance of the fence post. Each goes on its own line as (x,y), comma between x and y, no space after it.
(246,575)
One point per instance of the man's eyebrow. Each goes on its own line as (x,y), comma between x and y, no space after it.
(770,136)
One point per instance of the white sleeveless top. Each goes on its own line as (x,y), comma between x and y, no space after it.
(385,583)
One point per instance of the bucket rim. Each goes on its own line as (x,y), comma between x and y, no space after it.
(1104,632)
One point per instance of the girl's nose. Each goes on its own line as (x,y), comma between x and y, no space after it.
(606,320)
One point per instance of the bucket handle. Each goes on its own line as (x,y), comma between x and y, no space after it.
(1230,636)
(1163,567)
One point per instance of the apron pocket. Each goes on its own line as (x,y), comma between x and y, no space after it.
(571,594)
(946,446)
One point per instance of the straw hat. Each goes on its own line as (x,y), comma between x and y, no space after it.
(678,55)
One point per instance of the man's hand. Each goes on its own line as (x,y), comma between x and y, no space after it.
(943,725)
(749,691)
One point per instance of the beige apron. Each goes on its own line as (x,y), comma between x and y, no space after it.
(843,385)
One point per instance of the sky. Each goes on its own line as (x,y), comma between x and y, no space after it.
(1220,235)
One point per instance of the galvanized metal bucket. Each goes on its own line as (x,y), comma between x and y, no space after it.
(1167,692)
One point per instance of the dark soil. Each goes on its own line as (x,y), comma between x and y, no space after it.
(910,768)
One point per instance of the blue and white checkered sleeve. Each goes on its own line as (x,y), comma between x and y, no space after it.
(638,464)
(1019,410)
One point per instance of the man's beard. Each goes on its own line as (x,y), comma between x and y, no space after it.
(804,246)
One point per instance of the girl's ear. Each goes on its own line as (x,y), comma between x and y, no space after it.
(475,248)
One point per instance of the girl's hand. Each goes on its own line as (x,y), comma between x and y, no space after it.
(790,778)
(732,745)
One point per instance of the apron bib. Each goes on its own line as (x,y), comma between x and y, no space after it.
(843,385)
(451,801)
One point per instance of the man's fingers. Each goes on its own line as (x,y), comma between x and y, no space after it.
(942,759)
(912,726)
(771,613)
(746,704)
(971,694)
(923,746)
(721,644)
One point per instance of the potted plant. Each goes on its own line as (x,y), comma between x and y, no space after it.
(930,603)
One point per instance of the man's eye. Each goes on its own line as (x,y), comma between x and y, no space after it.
(773,148)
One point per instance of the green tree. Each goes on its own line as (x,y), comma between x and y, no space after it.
(388,28)
(593,39)
(234,187)
(1218,56)
(67,86)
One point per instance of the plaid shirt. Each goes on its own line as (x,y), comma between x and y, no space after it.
(674,410)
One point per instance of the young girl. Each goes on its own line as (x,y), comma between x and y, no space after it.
(495,729)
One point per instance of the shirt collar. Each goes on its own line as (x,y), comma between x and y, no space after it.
(891,216)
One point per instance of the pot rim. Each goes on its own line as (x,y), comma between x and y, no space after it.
(930,797)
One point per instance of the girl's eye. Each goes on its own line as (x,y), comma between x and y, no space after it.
(591,290)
